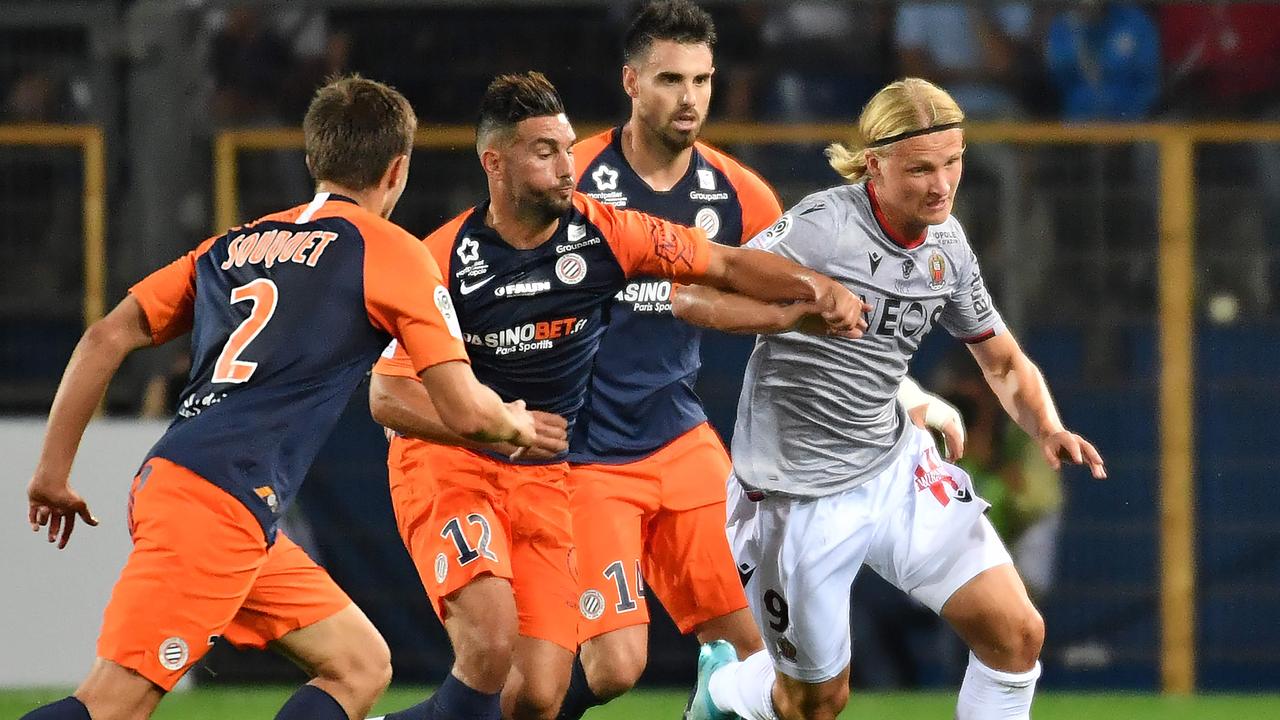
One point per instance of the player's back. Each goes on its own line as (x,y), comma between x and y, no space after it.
(281,337)
(642,393)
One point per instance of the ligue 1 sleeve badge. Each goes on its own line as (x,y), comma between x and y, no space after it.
(937,271)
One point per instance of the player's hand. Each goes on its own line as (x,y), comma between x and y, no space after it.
(844,313)
(552,437)
(526,428)
(56,505)
(940,416)
(1066,445)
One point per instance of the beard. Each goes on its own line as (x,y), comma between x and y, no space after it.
(543,207)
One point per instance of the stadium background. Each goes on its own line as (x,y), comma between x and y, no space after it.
(1127,223)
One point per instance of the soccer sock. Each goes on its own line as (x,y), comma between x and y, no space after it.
(988,694)
(453,700)
(746,687)
(68,708)
(311,702)
(580,697)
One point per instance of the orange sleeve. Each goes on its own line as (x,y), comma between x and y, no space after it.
(647,245)
(406,296)
(586,151)
(395,362)
(760,205)
(168,295)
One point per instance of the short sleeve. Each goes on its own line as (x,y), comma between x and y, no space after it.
(168,296)
(970,315)
(805,234)
(395,362)
(759,203)
(405,295)
(649,246)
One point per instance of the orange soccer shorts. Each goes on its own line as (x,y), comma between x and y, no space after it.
(463,515)
(200,568)
(657,523)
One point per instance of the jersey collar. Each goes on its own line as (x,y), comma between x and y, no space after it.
(899,240)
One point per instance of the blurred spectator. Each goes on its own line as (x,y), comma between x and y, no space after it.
(1222,58)
(1105,60)
(829,57)
(265,65)
(979,53)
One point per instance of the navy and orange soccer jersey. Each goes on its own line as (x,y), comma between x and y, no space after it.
(641,396)
(287,315)
(532,319)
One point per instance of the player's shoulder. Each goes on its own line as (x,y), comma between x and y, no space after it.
(949,235)
(740,176)
(587,150)
(447,234)
(834,204)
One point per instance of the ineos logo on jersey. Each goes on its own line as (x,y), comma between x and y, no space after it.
(571,269)
(709,220)
(911,319)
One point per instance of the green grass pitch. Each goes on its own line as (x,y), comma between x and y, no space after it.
(262,702)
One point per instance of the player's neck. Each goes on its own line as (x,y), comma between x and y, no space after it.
(657,163)
(518,231)
(900,231)
(371,199)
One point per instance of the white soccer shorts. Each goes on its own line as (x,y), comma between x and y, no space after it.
(918,524)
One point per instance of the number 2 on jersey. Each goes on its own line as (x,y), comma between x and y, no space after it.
(263,294)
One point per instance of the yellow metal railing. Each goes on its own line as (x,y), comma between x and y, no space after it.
(1177,211)
(94,198)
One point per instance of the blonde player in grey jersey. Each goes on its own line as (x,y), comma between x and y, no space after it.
(829,473)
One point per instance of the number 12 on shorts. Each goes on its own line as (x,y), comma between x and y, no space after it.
(466,553)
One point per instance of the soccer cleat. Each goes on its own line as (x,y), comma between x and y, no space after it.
(713,656)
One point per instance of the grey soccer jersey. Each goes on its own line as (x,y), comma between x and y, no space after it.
(819,415)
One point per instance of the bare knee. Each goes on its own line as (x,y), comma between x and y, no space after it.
(1023,640)
(538,698)
(795,700)
(482,625)
(614,661)
(114,692)
(362,668)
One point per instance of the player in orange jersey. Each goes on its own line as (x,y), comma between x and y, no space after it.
(265,390)
(533,272)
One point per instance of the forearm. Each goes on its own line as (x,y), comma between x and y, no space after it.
(92,365)
(768,277)
(467,407)
(404,405)
(1025,396)
(733,313)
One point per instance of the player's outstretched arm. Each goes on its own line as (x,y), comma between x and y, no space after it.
(93,363)
(1025,396)
(733,313)
(771,278)
(403,404)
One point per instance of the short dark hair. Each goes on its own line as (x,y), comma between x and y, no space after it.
(512,98)
(354,128)
(675,20)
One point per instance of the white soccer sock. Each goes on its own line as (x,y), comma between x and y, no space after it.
(745,687)
(988,694)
